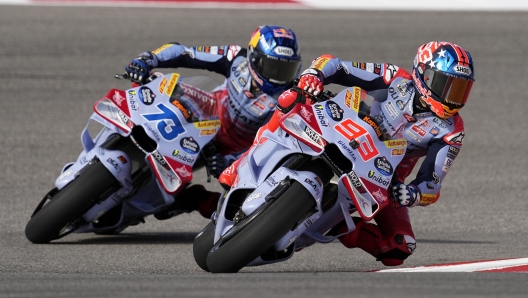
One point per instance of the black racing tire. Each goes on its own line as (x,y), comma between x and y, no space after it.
(70,203)
(202,245)
(257,236)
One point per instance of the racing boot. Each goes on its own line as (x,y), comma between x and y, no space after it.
(193,198)
(391,251)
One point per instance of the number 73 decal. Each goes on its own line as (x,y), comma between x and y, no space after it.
(353,131)
(169,125)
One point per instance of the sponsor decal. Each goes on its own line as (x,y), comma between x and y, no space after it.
(397,152)
(146,95)
(356,182)
(132,100)
(163,47)
(162,85)
(172,83)
(372,175)
(312,134)
(379,196)
(306,114)
(320,63)
(454,150)
(436,178)
(264,43)
(462,70)
(183,172)
(447,164)
(235,85)
(393,113)
(434,131)
(284,51)
(183,157)
(207,132)
(189,145)
(242,81)
(413,136)
(373,124)
(160,159)
(409,118)
(114,164)
(347,149)
(207,124)
(232,51)
(417,129)
(402,89)
(319,113)
(252,197)
(281,32)
(390,71)
(357,99)
(118,99)
(348,99)
(393,93)
(271,182)
(182,109)
(312,184)
(249,94)
(427,199)
(395,143)
(455,139)
(400,105)
(383,166)
(334,111)
(122,159)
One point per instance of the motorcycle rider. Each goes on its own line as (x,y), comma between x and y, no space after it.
(255,77)
(429,99)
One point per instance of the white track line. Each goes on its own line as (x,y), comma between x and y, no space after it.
(467,267)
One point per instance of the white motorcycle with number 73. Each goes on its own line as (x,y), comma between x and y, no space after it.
(284,200)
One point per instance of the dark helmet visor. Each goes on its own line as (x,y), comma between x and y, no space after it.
(454,91)
(277,71)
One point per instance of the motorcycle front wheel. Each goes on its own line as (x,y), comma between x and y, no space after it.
(257,236)
(202,245)
(69,204)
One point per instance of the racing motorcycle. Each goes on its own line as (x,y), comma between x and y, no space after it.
(285,197)
(152,135)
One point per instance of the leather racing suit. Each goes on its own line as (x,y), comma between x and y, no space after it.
(437,140)
(242,108)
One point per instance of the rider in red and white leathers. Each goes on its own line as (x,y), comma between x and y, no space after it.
(421,106)
(255,77)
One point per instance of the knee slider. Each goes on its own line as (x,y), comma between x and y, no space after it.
(402,247)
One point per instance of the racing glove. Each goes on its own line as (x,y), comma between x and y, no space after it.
(214,161)
(405,195)
(139,70)
(311,81)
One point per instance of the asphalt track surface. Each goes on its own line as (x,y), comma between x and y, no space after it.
(55,62)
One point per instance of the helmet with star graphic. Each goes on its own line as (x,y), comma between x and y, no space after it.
(443,77)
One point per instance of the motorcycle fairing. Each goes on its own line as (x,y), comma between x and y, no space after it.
(164,123)
(372,160)
(112,109)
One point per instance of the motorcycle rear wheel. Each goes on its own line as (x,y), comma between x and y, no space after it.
(202,245)
(69,204)
(257,236)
